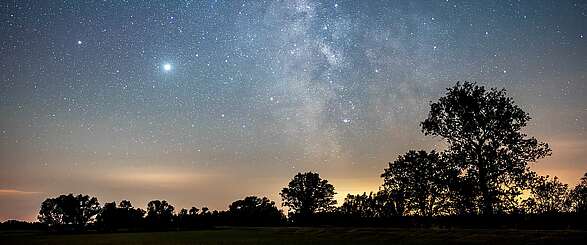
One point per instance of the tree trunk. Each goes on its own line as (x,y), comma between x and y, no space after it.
(487,203)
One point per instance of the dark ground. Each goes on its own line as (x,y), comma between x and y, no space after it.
(294,235)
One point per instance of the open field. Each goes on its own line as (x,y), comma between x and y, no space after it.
(306,236)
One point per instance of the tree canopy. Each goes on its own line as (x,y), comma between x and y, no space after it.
(374,205)
(547,196)
(307,194)
(159,213)
(112,218)
(424,179)
(253,210)
(77,211)
(578,196)
(483,131)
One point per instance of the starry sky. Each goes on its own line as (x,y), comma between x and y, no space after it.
(204,102)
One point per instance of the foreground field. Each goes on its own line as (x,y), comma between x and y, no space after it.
(307,236)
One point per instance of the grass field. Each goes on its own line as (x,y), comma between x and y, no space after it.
(306,236)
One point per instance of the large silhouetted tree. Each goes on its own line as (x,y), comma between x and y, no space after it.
(424,178)
(255,211)
(578,197)
(483,130)
(307,194)
(77,211)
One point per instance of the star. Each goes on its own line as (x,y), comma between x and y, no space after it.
(167,67)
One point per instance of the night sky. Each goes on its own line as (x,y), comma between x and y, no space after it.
(204,102)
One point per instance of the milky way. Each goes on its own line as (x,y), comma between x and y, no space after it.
(203,102)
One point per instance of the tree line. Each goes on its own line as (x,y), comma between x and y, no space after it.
(482,174)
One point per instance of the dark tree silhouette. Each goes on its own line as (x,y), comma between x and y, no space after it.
(184,219)
(390,203)
(307,194)
(76,211)
(192,218)
(483,130)
(394,194)
(375,205)
(424,178)
(108,219)
(112,218)
(125,204)
(464,196)
(255,211)
(578,197)
(193,211)
(21,225)
(547,196)
(362,206)
(132,217)
(159,214)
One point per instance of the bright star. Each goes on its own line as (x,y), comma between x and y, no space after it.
(167,67)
